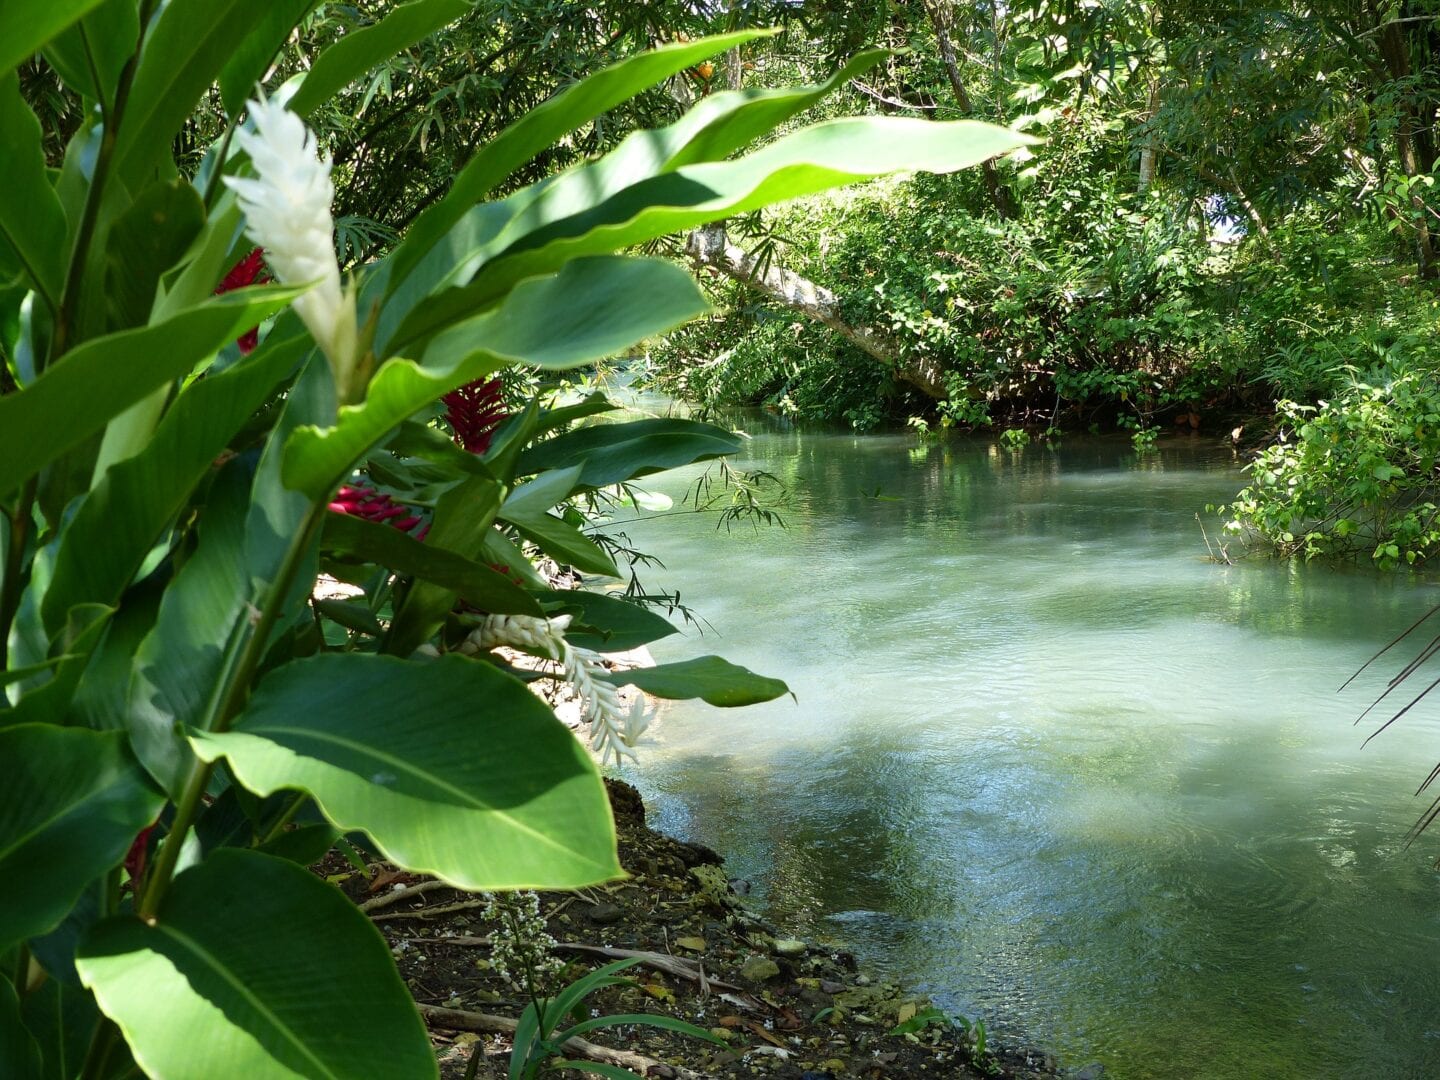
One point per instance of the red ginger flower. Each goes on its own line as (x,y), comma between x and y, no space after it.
(245,272)
(372,505)
(475,410)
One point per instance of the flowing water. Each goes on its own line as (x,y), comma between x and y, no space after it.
(1054,767)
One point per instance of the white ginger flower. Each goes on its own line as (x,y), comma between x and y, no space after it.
(287,212)
(614,729)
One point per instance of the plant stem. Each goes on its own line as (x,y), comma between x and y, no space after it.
(187,807)
(102,1045)
(284,819)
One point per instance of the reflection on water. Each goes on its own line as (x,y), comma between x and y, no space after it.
(1055,767)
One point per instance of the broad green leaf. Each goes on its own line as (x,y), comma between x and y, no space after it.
(100,379)
(544,125)
(26,25)
(100,701)
(563,542)
(254,967)
(539,495)
(604,622)
(62,1017)
(463,519)
(118,523)
(590,309)
(180,661)
(356,53)
(472,581)
(19,1054)
(709,678)
(185,50)
(97,45)
(611,453)
(270,25)
(72,803)
(32,223)
(305,844)
(452,767)
(49,703)
(145,241)
(718,125)
(554,222)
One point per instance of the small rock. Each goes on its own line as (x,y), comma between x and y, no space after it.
(758,969)
(604,914)
(1093,1071)
(862,980)
(788,947)
(831,987)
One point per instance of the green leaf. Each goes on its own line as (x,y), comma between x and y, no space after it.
(305,845)
(26,25)
(62,1018)
(72,803)
(199,624)
(611,453)
(590,309)
(119,522)
(709,678)
(145,241)
(452,767)
(604,622)
(463,519)
(270,25)
(98,45)
(186,48)
(473,581)
(573,216)
(19,1055)
(541,127)
(49,703)
(32,223)
(655,1020)
(255,967)
(527,508)
(356,53)
(102,378)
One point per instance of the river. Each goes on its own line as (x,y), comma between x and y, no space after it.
(1051,765)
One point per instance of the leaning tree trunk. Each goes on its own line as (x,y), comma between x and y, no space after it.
(710,248)
(940,18)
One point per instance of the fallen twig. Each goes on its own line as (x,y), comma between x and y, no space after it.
(427,912)
(384,900)
(671,965)
(464,1020)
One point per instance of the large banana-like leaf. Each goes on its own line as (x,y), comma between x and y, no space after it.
(26,25)
(97,381)
(90,55)
(611,453)
(32,223)
(122,517)
(543,126)
(550,223)
(254,967)
(589,309)
(452,767)
(71,805)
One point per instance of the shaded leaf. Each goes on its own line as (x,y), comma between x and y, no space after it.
(605,623)
(26,25)
(32,224)
(73,802)
(611,453)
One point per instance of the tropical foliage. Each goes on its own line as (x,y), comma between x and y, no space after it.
(193,459)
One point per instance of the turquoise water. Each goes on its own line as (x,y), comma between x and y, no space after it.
(1055,767)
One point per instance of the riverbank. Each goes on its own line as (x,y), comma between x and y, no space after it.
(781,1008)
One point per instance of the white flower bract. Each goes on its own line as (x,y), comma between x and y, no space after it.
(287,212)
(614,729)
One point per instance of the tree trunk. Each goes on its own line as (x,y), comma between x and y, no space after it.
(1414,145)
(710,248)
(1148,153)
(939,12)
